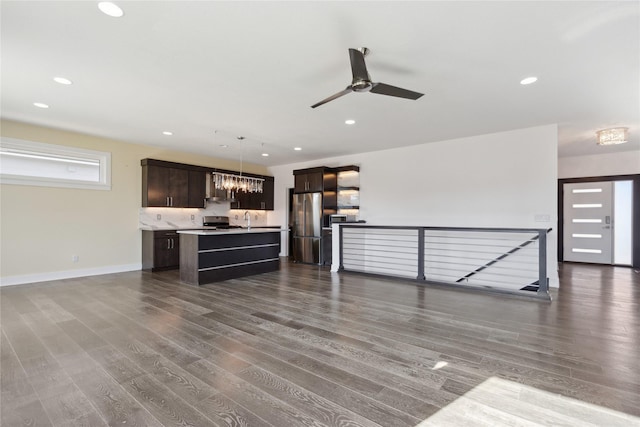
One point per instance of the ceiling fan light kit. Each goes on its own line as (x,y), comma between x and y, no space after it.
(362,81)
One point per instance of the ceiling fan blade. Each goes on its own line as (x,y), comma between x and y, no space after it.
(358,66)
(332,97)
(385,89)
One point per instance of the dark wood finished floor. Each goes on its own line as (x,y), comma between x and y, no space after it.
(303,346)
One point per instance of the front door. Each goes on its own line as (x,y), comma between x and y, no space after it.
(588,222)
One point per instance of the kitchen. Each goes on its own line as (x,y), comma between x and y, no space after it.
(321,197)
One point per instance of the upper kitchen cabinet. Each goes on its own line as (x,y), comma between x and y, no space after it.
(259,201)
(168,184)
(309,180)
(178,185)
(197,189)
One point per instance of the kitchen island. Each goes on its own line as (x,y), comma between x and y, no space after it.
(208,256)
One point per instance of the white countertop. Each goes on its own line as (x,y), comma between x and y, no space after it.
(233,231)
(192,228)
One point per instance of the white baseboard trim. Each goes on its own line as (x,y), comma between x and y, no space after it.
(68,274)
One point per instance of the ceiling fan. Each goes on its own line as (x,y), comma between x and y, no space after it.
(362,82)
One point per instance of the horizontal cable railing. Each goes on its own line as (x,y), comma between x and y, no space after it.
(513,260)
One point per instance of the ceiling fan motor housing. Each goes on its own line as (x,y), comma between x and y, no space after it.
(361,85)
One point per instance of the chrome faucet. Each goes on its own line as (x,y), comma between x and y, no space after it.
(247,217)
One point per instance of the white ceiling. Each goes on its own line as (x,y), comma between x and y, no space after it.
(255,68)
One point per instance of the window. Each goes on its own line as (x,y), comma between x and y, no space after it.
(49,165)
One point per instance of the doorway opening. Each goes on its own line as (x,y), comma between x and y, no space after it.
(599,220)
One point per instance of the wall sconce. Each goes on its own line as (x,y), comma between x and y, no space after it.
(612,136)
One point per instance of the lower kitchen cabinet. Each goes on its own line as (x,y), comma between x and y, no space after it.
(160,250)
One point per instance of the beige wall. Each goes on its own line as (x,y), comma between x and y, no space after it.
(41,228)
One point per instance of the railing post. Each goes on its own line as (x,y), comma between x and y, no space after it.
(543,281)
(340,238)
(420,254)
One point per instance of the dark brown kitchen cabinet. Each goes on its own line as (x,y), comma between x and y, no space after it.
(309,182)
(160,250)
(267,196)
(179,185)
(164,187)
(241,200)
(259,201)
(174,185)
(197,189)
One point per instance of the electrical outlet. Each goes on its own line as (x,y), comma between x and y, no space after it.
(158,217)
(236,216)
(193,217)
(256,217)
(75,258)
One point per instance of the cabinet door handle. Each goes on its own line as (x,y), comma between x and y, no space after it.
(167,201)
(263,205)
(168,243)
(171,198)
(173,244)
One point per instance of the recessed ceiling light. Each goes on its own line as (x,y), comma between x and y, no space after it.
(528,80)
(224,145)
(349,121)
(297,148)
(62,80)
(265,154)
(110,9)
(40,105)
(166,132)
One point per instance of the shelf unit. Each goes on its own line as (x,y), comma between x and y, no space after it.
(348,191)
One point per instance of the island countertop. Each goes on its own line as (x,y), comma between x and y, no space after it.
(193,227)
(233,231)
(213,255)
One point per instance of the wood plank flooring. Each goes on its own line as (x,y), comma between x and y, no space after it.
(305,347)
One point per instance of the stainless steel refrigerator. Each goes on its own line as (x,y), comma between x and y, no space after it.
(307,228)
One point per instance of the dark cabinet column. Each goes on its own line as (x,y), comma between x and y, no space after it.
(197,189)
(267,195)
(178,187)
(155,186)
(300,183)
(315,181)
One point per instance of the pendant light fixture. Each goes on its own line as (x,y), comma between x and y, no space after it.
(237,182)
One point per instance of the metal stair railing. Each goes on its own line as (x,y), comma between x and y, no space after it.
(489,258)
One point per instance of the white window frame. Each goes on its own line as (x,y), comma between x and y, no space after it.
(46,150)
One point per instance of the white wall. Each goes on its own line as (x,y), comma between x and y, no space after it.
(497,180)
(605,164)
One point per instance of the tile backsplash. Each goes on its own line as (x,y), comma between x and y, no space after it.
(190,217)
